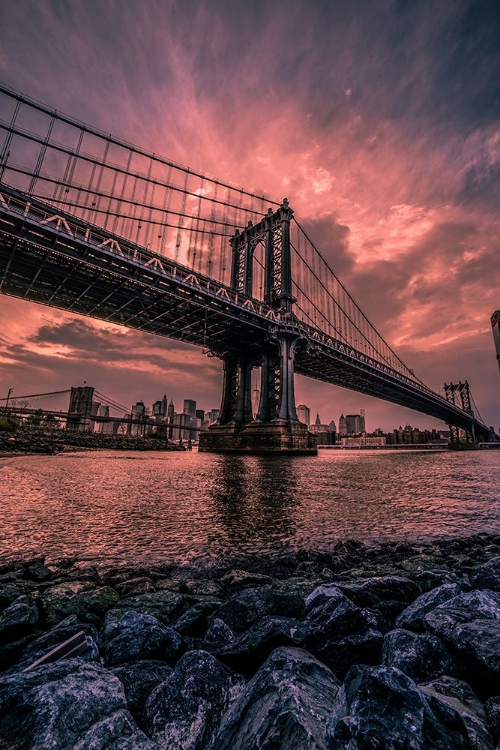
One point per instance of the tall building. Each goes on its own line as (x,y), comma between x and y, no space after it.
(138,419)
(189,407)
(355,424)
(495,325)
(304,414)
(159,408)
(342,426)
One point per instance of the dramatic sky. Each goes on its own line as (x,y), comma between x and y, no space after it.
(378,119)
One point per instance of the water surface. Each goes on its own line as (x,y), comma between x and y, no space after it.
(113,507)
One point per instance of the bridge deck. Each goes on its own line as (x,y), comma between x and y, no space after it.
(58,260)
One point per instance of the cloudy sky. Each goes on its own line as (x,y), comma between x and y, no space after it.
(379,120)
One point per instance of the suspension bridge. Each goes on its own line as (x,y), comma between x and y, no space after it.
(99,227)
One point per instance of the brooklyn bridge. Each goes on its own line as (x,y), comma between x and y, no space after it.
(99,227)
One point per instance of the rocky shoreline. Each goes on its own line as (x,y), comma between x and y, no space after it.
(395,646)
(51,442)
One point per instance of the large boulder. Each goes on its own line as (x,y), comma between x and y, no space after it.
(250,649)
(245,607)
(55,707)
(55,636)
(166,605)
(132,635)
(413,616)
(139,679)
(80,598)
(193,621)
(183,713)
(117,731)
(469,624)
(487,575)
(371,591)
(421,656)
(382,707)
(337,631)
(443,619)
(18,618)
(285,705)
(449,699)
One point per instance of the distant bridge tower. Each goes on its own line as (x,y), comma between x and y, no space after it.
(276,428)
(458,394)
(80,408)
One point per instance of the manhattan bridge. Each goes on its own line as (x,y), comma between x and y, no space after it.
(99,227)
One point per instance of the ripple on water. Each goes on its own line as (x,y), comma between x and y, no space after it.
(122,507)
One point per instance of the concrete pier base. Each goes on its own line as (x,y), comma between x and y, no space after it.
(278,437)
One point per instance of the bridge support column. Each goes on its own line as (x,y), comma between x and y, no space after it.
(276,429)
(80,409)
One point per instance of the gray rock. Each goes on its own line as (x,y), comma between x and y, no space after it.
(338,632)
(37,571)
(115,732)
(382,707)
(76,598)
(492,707)
(132,635)
(166,605)
(370,591)
(420,656)
(239,579)
(448,705)
(470,626)
(487,575)
(193,621)
(247,606)
(19,618)
(413,616)
(184,712)
(218,633)
(58,634)
(285,705)
(250,649)
(461,609)
(54,707)
(139,679)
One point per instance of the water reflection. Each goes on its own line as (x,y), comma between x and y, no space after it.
(255,498)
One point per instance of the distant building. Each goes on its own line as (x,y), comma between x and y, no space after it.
(159,409)
(355,424)
(138,418)
(105,427)
(363,441)
(189,407)
(324,435)
(342,425)
(495,325)
(303,414)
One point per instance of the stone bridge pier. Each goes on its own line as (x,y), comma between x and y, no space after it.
(275,429)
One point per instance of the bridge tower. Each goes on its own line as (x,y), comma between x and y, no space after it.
(80,409)
(458,394)
(276,428)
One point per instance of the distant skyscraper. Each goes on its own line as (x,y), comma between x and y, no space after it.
(303,414)
(189,407)
(171,410)
(342,426)
(355,423)
(495,325)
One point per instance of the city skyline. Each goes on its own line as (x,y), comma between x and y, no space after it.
(384,136)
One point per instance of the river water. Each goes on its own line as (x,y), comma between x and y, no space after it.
(115,508)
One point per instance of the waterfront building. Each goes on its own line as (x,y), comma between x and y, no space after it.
(363,441)
(303,414)
(324,435)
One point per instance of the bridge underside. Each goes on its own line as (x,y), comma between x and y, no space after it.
(41,263)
